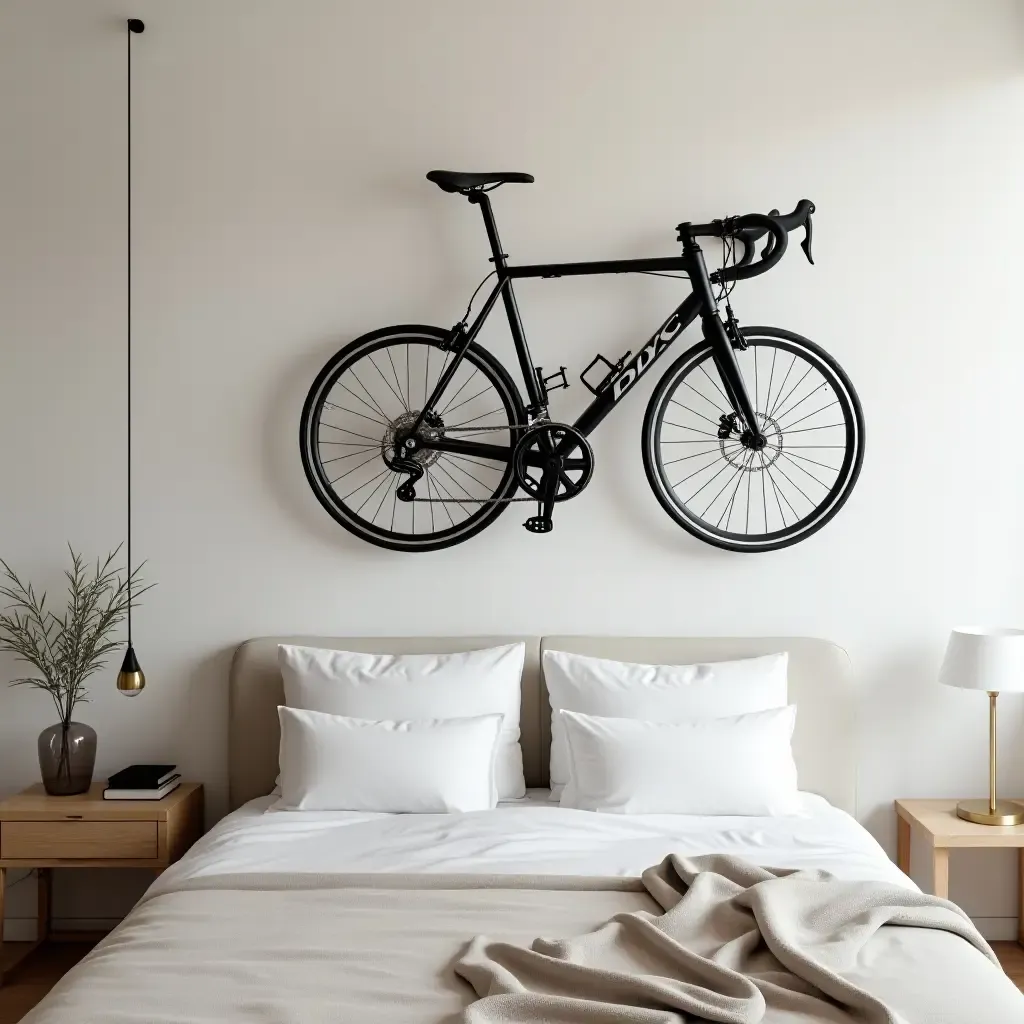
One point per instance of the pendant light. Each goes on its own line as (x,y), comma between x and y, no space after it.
(131,679)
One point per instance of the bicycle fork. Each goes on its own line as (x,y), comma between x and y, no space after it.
(722,351)
(732,381)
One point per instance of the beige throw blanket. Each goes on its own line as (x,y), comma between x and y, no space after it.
(736,944)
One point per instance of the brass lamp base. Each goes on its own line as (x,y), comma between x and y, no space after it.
(980,812)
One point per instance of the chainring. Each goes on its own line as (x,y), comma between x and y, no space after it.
(559,447)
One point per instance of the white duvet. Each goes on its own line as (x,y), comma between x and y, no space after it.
(529,836)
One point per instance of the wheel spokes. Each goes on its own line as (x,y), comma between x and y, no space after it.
(742,487)
(374,399)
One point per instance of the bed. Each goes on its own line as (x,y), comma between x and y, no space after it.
(337,916)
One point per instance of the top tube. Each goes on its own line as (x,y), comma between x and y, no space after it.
(663,264)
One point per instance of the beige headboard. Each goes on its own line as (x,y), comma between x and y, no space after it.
(820,684)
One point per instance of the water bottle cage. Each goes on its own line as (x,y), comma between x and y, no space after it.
(614,369)
(553,381)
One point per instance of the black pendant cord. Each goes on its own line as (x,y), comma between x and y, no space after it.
(134,26)
(129,391)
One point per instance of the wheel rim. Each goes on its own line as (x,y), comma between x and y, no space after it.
(730,490)
(368,397)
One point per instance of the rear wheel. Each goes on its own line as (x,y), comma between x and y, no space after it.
(371,392)
(745,493)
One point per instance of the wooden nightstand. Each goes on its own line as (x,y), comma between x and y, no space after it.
(46,832)
(936,820)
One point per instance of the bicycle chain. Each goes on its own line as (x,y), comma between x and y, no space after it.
(469,501)
(479,501)
(501,426)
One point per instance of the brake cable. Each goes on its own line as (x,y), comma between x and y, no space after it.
(472,298)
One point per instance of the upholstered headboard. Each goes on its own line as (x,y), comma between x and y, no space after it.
(820,684)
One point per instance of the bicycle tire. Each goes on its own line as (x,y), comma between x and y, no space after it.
(313,463)
(847,473)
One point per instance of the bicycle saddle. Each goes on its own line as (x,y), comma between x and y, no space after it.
(459,181)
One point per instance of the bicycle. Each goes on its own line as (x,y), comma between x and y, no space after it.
(745,410)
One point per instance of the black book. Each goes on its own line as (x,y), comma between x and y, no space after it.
(141,776)
(143,794)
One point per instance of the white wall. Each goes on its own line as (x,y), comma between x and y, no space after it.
(281,211)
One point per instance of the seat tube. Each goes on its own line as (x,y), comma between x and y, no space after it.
(715,336)
(515,324)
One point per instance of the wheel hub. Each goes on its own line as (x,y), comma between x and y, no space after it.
(766,446)
(399,442)
(754,442)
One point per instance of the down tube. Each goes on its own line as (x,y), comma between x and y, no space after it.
(681,318)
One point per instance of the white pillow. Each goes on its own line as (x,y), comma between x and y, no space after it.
(739,765)
(334,763)
(655,693)
(404,687)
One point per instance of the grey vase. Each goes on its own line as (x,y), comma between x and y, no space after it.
(67,756)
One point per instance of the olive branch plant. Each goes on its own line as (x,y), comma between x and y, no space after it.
(66,649)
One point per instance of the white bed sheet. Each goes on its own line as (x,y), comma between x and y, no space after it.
(528,836)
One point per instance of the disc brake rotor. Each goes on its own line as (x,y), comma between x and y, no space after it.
(737,451)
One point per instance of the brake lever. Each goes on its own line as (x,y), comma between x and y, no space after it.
(771,243)
(808,236)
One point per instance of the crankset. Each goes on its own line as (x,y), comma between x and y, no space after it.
(552,462)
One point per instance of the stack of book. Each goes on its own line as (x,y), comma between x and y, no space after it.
(142,782)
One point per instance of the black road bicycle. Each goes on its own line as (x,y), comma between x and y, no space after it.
(416,438)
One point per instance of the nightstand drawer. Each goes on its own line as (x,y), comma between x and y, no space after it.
(78,840)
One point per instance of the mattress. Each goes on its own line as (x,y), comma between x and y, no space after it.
(299,917)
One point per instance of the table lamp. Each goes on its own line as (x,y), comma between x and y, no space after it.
(990,659)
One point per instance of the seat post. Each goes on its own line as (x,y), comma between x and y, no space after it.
(482,200)
(515,324)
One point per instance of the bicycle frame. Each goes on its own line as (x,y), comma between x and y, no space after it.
(700,302)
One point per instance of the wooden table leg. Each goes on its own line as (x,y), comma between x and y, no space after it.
(3,885)
(43,890)
(940,871)
(903,844)
(1020,900)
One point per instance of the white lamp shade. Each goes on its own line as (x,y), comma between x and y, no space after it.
(984,658)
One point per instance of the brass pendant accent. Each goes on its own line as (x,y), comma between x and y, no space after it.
(980,812)
(131,679)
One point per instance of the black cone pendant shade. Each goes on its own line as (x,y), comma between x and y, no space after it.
(131,679)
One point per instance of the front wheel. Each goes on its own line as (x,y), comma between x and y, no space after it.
(739,492)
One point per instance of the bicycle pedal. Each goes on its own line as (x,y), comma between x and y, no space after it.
(539,524)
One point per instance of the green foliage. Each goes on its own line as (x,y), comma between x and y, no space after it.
(65,650)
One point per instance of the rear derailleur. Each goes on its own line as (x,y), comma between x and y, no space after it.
(403,450)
